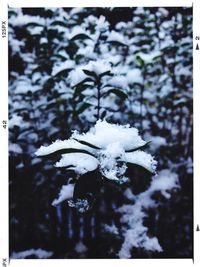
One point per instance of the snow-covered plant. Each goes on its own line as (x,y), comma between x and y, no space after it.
(92,80)
(105,151)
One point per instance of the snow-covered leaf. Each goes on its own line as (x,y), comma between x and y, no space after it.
(86,143)
(90,73)
(34,24)
(140,147)
(117,92)
(84,81)
(66,151)
(82,107)
(59,23)
(81,36)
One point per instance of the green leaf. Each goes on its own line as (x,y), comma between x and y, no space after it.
(86,143)
(79,89)
(12,13)
(69,167)
(80,36)
(67,151)
(117,43)
(157,57)
(34,24)
(58,56)
(64,73)
(103,114)
(82,108)
(138,85)
(140,166)
(37,69)
(140,61)
(90,73)
(83,81)
(88,184)
(118,93)
(51,105)
(106,73)
(140,147)
(58,23)
(20,109)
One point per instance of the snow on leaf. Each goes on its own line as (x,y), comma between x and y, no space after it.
(78,33)
(143,159)
(134,76)
(67,65)
(117,92)
(105,146)
(66,192)
(58,146)
(86,143)
(140,147)
(119,81)
(81,163)
(103,134)
(116,37)
(66,151)
(98,67)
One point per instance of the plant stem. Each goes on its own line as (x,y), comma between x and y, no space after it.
(98,98)
(142,100)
